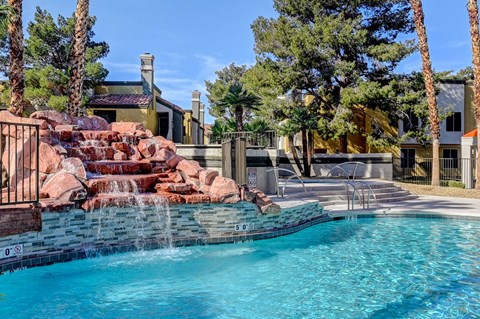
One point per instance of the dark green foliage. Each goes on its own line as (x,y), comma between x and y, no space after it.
(236,100)
(342,53)
(217,89)
(47,58)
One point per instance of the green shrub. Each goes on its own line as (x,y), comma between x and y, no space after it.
(456,184)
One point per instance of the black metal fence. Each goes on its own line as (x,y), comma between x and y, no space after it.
(19,163)
(267,139)
(419,170)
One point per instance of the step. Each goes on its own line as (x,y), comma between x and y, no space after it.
(119,167)
(91,153)
(116,184)
(372,202)
(110,136)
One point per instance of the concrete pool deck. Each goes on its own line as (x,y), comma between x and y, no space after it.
(451,206)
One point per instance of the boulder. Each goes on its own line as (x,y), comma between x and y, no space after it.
(207,176)
(120,156)
(49,159)
(67,127)
(190,168)
(91,153)
(171,197)
(100,135)
(164,143)
(4,177)
(121,146)
(93,123)
(123,127)
(146,147)
(8,117)
(181,188)
(53,118)
(174,160)
(163,154)
(264,202)
(135,154)
(196,198)
(225,189)
(74,166)
(64,186)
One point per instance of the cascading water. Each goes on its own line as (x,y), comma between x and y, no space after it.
(140,218)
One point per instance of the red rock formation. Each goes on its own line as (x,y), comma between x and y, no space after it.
(53,118)
(191,168)
(64,186)
(119,164)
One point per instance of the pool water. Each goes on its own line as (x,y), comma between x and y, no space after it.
(365,268)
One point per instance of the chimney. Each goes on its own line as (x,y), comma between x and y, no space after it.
(201,119)
(196,104)
(146,70)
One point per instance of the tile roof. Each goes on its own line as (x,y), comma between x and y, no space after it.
(120,99)
(471,134)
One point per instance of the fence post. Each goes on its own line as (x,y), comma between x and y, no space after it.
(240,161)
(227,159)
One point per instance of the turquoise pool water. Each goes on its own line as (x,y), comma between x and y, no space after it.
(366,268)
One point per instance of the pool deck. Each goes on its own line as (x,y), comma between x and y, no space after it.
(450,206)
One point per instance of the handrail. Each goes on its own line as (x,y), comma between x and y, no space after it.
(355,190)
(370,190)
(275,170)
(339,166)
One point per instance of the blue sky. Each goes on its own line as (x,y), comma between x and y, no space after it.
(191,39)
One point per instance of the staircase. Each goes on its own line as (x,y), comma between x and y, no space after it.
(334,192)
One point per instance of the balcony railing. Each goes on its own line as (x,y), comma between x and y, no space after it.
(419,170)
(267,139)
(19,163)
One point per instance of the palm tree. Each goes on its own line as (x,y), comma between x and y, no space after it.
(418,18)
(16,74)
(78,58)
(472,8)
(238,100)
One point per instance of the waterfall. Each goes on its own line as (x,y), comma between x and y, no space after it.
(127,216)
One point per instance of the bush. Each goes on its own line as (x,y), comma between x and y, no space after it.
(456,184)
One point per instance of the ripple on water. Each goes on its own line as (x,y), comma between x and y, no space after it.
(365,268)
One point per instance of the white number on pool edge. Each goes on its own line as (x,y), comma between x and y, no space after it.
(11,251)
(244,227)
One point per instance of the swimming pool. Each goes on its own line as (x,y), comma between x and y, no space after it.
(365,268)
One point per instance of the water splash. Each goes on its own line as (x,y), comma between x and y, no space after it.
(142,219)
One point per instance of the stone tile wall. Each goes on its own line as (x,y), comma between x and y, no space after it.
(77,234)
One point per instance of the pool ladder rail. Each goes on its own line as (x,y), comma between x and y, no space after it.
(365,201)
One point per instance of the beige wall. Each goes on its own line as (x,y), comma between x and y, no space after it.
(469,115)
(147,116)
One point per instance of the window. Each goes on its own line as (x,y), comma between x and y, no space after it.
(407,159)
(410,122)
(109,116)
(454,122)
(450,158)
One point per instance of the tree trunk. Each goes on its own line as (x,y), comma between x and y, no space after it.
(343,141)
(293,149)
(306,162)
(472,8)
(239,119)
(418,17)
(16,75)
(78,58)
(310,148)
